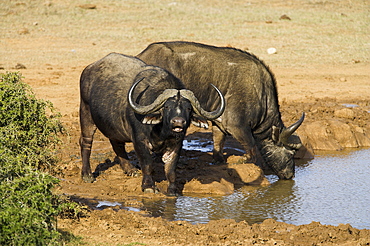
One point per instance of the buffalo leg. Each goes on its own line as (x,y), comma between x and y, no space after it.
(119,149)
(88,129)
(218,145)
(170,159)
(245,138)
(146,164)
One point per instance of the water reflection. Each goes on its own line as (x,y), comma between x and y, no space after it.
(336,189)
(206,146)
(192,209)
(197,145)
(249,203)
(277,201)
(331,189)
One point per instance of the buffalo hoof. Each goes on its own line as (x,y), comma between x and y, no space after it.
(172,193)
(88,178)
(172,190)
(151,190)
(219,162)
(218,159)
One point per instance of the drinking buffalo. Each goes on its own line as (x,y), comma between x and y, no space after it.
(129,101)
(252,114)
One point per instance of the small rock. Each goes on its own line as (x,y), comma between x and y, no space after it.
(23,31)
(345,113)
(217,188)
(271,51)
(87,6)
(249,173)
(319,136)
(342,132)
(75,114)
(20,66)
(284,17)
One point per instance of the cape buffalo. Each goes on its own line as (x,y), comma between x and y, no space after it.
(129,101)
(252,113)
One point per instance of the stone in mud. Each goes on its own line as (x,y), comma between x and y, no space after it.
(342,132)
(333,135)
(20,66)
(225,179)
(345,113)
(248,173)
(87,6)
(306,151)
(362,139)
(222,187)
(320,136)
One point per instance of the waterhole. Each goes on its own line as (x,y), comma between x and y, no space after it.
(331,189)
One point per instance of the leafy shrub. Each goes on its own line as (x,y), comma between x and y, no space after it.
(29,131)
(28,126)
(27,212)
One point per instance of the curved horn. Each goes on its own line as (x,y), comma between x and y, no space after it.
(286,133)
(151,108)
(199,110)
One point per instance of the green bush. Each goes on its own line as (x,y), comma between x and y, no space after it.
(27,212)
(29,131)
(28,126)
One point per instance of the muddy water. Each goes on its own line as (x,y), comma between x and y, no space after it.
(333,188)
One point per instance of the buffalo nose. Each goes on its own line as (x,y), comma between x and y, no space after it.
(178,121)
(178,124)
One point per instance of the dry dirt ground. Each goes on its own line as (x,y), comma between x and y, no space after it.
(322,62)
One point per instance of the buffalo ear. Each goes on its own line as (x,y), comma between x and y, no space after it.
(275,134)
(199,122)
(152,119)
